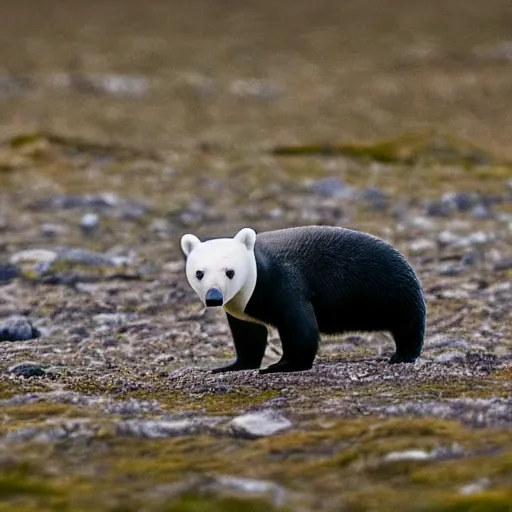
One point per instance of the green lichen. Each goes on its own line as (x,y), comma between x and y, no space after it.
(408,149)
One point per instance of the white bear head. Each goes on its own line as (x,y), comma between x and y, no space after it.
(222,270)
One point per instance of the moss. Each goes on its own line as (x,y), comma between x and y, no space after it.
(408,149)
(340,461)
(215,402)
(491,501)
(193,503)
(40,411)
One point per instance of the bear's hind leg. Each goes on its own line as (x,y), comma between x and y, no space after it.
(250,341)
(299,337)
(409,344)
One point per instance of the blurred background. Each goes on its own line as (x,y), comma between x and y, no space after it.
(181,73)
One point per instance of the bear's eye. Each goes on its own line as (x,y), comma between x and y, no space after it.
(199,274)
(230,274)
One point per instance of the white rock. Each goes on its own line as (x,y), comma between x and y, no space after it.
(89,222)
(422,245)
(253,487)
(475,487)
(407,455)
(260,424)
(34,257)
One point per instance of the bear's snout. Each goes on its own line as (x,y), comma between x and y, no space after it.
(214,297)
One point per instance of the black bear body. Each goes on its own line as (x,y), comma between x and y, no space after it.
(319,279)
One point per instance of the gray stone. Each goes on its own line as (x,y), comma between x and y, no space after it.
(450,269)
(504,264)
(132,407)
(111,84)
(52,230)
(18,328)
(452,357)
(421,246)
(27,370)
(481,212)
(440,209)
(111,319)
(260,424)
(375,198)
(96,203)
(155,429)
(332,188)
(8,272)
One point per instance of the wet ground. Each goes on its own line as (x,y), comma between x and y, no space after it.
(124,126)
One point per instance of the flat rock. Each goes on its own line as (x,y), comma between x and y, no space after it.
(17,328)
(260,424)
(27,370)
(155,429)
(407,455)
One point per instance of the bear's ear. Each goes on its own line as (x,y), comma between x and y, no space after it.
(246,236)
(188,243)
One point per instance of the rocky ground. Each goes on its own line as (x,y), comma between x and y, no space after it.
(117,138)
(106,350)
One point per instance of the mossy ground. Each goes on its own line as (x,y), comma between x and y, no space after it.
(330,464)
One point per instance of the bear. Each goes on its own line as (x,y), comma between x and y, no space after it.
(305,281)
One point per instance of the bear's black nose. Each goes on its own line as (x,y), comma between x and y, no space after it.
(213,297)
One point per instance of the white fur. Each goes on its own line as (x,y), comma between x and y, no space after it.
(213,258)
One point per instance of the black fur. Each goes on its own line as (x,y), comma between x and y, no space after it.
(314,280)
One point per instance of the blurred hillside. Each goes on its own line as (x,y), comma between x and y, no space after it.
(181,73)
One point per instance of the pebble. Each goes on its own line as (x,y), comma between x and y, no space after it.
(481,212)
(454,343)
(27,370)
(18,328)
(106,202)
(421,246)
(333,188)
(475,487)
(375,198)
(255,88)
(89,223)
(504,264)
(111,319)
(52,230)
(37,260)
(252,486)
(452,357)
(407,455)
(8,272)
(260,424)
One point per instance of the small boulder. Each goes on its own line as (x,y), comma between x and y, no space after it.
(18,328)
(89,223)
(27,370)
(260,424)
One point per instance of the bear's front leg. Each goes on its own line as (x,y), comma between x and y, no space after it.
(299,335)
(250,342)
